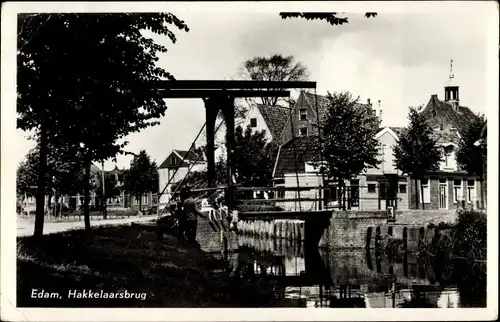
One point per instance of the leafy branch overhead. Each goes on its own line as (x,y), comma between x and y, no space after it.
(84,83)
(332,18)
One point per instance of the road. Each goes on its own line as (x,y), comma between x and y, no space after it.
(25,226)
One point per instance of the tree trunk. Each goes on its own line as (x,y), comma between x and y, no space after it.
(417,204)
(56,203)
(40,192)
(86,195)
(482,194)
(422,193)
(103,178)
(140,205)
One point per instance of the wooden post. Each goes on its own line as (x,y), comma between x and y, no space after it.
(212,107)
(228,110)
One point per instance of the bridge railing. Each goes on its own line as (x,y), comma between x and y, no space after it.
(324,197)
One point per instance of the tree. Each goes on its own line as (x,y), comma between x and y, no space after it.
(274,68)
(61,177)
(472,157)
(332,18)
(111,188)
(85,81)
(142,177)
(254,157)
(348,145)
(416,151)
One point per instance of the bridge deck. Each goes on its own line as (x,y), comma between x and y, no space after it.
(270,215)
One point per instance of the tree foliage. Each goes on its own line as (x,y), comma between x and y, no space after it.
(62,176)
(333,18)
(85,81)
(111,188)
(142,177)
(471,157)
(348,133)
(274,68)
(254,157)
(417,151)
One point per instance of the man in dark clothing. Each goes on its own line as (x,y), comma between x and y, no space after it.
(191,213)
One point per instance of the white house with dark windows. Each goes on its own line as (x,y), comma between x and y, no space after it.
(175,167)
(271,119)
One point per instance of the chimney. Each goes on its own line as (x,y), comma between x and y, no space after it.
(369,101)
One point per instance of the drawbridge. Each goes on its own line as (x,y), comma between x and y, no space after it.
(219,99)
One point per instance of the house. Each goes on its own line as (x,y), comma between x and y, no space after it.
(382,186)
(449,187)
(308,110)
(271,119)
(293,163)
(175,167)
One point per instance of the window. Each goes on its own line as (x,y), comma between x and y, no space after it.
(402,188)
(281,193)
(303,131)
(136,200)
(447,154)
(145,199)
(426,189)
(471,191)
(382,190)
(441,127)
(457,190)
(253,122)
(173,160)
(434,113)
(31,199)
(302,114)
(372,187)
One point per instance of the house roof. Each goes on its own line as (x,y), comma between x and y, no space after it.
(322,102)
(275,118)
(303,147)
(94,169)
(460,118)
(188,156)
(397,130)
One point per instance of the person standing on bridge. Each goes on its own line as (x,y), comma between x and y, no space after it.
(191,213)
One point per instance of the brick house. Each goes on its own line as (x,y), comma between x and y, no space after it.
(377,188)
(271,119)
(449,187)
(175,167)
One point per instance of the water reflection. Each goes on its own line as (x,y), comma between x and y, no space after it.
(357,278)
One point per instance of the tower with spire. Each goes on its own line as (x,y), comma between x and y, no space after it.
(451,90)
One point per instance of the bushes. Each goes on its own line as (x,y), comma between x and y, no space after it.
(392,245)
(442,225)
(467,240)
(470,235)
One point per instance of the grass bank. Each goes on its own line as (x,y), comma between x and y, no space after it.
(119,259)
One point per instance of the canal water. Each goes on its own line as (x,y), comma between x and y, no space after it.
(288,275)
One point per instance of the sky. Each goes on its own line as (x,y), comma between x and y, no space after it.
(400,59)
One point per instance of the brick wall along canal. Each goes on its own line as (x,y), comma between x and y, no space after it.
(290,275)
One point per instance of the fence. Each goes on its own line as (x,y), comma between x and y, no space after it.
(369,197)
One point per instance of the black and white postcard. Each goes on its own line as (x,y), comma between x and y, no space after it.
(249,161)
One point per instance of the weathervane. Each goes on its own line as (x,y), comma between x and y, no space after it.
(452,76)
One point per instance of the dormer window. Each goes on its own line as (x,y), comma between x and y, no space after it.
(447,154)
(303,131)
(253,122)
(302,114)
